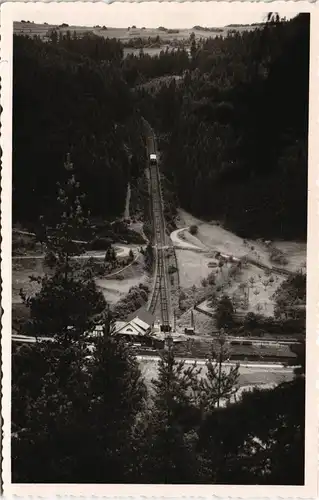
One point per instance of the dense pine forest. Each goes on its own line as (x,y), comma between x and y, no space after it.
(235,130)
(233,125)
(67,102)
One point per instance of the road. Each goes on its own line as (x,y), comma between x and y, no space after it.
(181,244)
(245,367)
(250,374)
(121,251)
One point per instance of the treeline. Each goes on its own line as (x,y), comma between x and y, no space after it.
(68,98)
(140,69)
(236,129)
(92,46)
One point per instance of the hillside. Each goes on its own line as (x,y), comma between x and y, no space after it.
(234,130)
(67,102)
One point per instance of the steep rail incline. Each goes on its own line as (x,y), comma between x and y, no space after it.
(161,286)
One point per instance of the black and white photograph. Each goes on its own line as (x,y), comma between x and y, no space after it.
(158,260)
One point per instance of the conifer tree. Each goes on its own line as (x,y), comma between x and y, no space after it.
(49,411)
(74,410)
(70,223)
(68,303)
(166,436)
(117,396)
(220,382)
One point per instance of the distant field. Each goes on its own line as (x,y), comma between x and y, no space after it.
(42,30)
(126,34)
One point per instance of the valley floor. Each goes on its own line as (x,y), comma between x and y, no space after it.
(194,253)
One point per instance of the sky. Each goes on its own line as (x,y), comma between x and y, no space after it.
(152,14)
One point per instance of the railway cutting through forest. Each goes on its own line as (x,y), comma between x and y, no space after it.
(160,300)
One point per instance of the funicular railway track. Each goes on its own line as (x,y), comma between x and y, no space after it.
(160,296)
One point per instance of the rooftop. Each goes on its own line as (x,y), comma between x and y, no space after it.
(142,314)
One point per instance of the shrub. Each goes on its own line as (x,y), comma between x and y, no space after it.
(132,236)
(234,271)
(22,243)
(148,229)
(101,244)
(172,269)
(251,320)
(182,295)
(224,313)
(278,257)
(193,229)
(211,279)
(119,277)
(136,297)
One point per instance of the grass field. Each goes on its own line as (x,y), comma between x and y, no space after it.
(115,289)
(193,267)
(112,289)
(222,240)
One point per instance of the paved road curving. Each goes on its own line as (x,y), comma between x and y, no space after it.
(182,244)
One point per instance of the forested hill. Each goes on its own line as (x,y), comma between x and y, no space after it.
(235,130)
(68,100)
(232,127)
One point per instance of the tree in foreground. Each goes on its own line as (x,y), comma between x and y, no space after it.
(167,438)
(68,303)
(49,407)
(74,411)
(117,400)
(259,440)
(220,382)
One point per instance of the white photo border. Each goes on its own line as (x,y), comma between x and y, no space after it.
(10,13)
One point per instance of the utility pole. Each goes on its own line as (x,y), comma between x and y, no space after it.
(220,361)
(219,376)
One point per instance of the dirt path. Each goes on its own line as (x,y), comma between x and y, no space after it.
(127,202)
